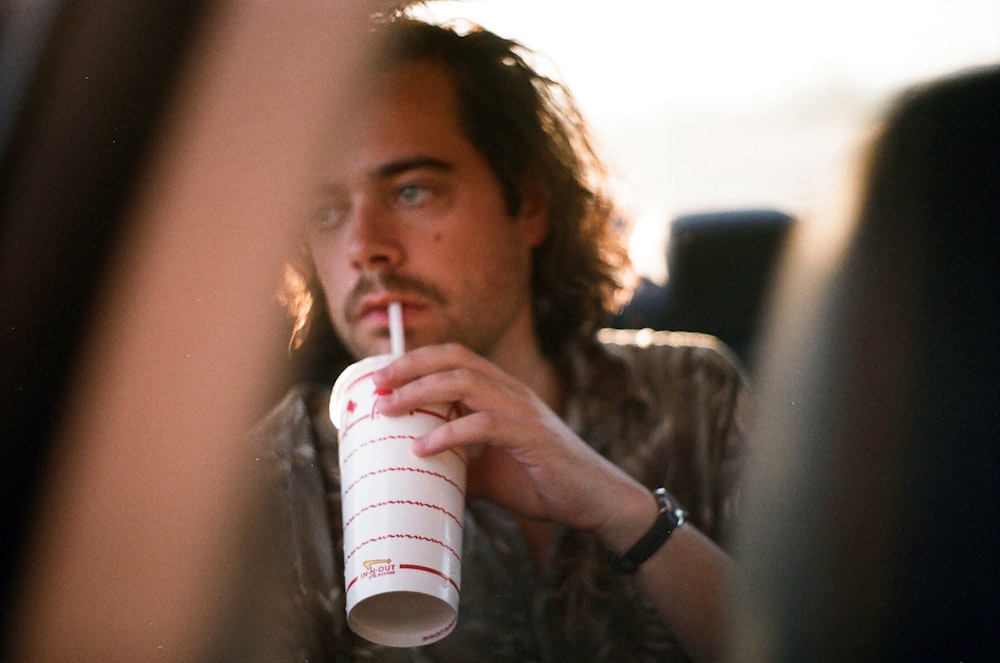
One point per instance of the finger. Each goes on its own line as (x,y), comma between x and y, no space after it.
(519,437)
(417,363)
(472,429)
(464,385)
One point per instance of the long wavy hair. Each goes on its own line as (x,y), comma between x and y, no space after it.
(530,132)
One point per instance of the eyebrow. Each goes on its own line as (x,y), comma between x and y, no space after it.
(392,169)
(416,163)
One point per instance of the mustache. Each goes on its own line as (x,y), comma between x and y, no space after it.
(391,282)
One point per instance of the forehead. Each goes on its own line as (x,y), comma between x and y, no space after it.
(407,111)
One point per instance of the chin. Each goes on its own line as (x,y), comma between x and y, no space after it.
(367,347)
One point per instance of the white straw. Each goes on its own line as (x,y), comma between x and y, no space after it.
(396,335)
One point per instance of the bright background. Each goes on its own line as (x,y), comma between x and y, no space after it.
(705,105)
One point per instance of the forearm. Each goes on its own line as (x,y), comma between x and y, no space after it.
(688,578)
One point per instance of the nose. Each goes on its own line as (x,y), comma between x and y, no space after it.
(374,243)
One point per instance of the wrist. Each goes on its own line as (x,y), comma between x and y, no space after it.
(634,511)
(669,517)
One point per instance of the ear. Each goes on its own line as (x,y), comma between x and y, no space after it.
(534,217)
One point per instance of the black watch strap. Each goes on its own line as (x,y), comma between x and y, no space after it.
(671,516)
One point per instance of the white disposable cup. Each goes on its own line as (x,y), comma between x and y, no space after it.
(402,516)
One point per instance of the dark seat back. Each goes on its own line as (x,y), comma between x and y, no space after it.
(720,267)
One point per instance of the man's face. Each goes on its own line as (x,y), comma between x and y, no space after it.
(411,212)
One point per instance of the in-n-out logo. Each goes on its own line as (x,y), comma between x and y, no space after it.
(376,568)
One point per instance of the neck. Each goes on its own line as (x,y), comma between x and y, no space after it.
(520,355)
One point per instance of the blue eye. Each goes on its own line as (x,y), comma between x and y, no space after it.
(414,194)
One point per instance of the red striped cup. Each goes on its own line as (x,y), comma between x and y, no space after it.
(402,516)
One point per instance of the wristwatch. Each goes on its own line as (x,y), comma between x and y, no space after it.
(672,515)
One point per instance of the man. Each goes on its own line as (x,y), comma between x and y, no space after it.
(464,187)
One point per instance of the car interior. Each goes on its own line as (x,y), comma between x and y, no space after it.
(721,265)
(150,156)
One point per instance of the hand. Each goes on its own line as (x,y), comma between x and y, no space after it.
(535,466)
(531,462)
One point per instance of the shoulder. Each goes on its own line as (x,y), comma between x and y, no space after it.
(688,381)
(293,427)
(676,353)
(661,376)
(294,454)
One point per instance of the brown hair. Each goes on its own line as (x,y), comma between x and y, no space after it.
(529,131)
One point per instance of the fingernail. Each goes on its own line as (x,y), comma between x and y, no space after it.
(383,400)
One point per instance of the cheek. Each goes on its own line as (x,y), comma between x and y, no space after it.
(330,286)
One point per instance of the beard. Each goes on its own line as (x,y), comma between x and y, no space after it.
(479,330)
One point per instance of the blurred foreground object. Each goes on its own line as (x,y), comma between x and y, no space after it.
(156,159)
(873,521)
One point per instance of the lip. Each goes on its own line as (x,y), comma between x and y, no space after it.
(377,305)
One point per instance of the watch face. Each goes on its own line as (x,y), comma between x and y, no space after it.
(670,505)
(667,500)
